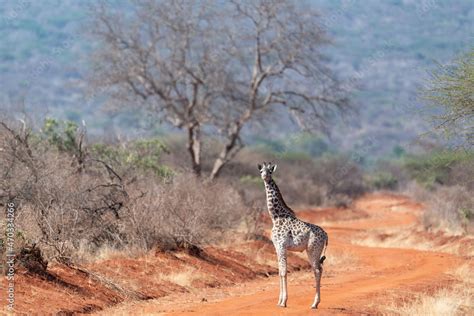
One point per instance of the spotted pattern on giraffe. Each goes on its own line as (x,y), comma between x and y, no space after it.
(289,233)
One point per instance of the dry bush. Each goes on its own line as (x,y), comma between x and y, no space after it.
(414,190)
(302,180)
(325,181)
(59,203)
(31,259)
(76,208)
(448,208)
(387,175)
(186,210)
(451,209)
(334,180)
(254,223)
(462,174)
(71,210)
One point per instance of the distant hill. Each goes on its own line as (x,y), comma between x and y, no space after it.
(384,50)
(389,47)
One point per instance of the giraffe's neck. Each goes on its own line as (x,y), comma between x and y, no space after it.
(275,203)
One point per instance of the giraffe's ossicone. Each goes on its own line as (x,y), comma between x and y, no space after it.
(289,233)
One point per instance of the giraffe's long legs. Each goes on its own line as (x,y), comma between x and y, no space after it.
(318,271)
(280,297)
(282,269)
(285,292)
(314,253)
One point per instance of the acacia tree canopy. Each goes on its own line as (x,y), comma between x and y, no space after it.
(452,91)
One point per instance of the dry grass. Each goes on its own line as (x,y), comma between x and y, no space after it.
(454,300)
(413,239)
(451,301)
(464,273)
(87,254)
(184,278)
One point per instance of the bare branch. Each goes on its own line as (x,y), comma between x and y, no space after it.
(199,65)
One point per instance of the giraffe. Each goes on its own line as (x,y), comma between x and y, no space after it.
(289,233)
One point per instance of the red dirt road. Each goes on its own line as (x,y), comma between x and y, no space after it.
(357,279)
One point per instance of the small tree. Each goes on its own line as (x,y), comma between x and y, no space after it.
(216,66)
(66,136)
(452,90)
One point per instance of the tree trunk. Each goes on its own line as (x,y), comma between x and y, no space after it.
(228,152)
(194,147)
(218,164)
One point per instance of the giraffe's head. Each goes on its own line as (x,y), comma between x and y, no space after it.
(266,169)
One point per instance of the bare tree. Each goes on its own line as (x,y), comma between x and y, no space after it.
(203,66)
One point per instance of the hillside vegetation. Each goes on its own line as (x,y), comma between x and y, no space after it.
(384,60)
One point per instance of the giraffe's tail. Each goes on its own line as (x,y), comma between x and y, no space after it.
(321,260)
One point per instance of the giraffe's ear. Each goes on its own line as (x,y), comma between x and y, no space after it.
(259,166)
(274,168)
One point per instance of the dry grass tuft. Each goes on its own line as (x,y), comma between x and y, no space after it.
(455,300)
(464,273)
(87,254)
(184,278)
(451,301)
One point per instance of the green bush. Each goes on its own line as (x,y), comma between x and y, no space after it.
(249,179)
(313,145)
(61,134)
(466,214)
(450,92)
(300,144)
(435,168)
(142,155)
(398,152)
(383,181)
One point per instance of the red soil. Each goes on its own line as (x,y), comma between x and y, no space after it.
(241,279)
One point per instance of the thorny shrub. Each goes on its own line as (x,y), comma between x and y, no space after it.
(66,205)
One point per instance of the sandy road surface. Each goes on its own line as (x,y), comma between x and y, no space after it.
(380,273)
